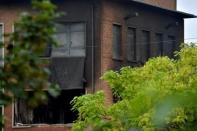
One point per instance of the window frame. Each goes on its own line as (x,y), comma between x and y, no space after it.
(173,42)
(134,44)
(68,24)
(119,58)
(146,46)
(161,43)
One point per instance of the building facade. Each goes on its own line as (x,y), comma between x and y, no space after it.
(94,36)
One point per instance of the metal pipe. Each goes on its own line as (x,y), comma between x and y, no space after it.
(93,78)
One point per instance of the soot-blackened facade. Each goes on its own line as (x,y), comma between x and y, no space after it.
(94,36)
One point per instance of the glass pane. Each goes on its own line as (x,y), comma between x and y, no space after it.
(77,39)
(71,40)
(61,28)
(77,27)
(62,38)
(77,45)
(77,52)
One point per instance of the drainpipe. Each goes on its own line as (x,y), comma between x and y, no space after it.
(92,47)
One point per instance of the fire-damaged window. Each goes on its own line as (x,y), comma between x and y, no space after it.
(56,111)
(67,62)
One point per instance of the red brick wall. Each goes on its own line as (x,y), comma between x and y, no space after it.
(112,13)
(169,4)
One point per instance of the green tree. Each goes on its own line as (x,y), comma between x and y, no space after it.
(161,95)
(24,69)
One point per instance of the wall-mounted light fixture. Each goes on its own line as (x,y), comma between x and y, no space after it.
(135,14)
(172,25)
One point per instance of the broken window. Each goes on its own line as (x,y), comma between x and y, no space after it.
(131,44)
(116,46)
(56,111)
(67,70)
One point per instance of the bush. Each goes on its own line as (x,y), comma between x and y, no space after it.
(161,95)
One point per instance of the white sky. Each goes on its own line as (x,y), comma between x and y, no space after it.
(189,6)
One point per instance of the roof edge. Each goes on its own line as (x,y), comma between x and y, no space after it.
(183,14)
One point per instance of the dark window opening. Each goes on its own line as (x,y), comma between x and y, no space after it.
(131,44)
(170,46)
(116,43)
(56,111)
(158,45)
(145,46)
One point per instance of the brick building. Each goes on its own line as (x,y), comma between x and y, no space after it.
(94,36)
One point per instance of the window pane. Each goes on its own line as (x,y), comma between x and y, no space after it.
(77,27)
(158,45)
(116,42)
(62,38)
(77,39)
(71,40)
(63,45)
(77,44)
(131,44)
(145,45)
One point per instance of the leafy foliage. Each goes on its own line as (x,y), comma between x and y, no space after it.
(24,69)
(161,95)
